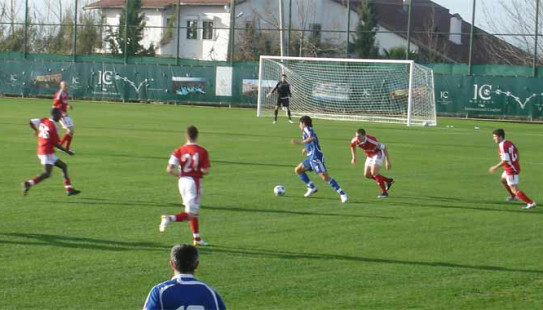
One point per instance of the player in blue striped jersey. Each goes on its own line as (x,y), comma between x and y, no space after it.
(183,291)
(314,161)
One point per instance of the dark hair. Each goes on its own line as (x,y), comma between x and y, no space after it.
(55,111)
(184,257)
(306,120)
(284,75)
(361,131)
(192,132)
(499,132)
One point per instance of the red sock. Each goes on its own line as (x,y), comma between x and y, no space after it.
(68,140)
(523,197)
(508,188)
(181,217)
(194,227)
(34,181)
(64,137)
(379,179)
(387,180)
(67,185)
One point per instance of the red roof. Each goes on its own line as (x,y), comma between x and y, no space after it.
(153,4)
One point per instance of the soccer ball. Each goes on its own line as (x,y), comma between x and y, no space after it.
(279,190)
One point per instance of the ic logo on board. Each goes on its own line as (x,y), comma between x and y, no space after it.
(482,92)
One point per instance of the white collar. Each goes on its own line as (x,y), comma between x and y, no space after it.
(183,275)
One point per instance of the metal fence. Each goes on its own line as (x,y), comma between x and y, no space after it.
(485,32)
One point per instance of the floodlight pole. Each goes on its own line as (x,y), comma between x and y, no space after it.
(534,68)
(348,27)
(281,26)
(126,32)
(25,30)
(74,43)
(289,25)
(471,33)
(232,29)
(178,31)
(410,3)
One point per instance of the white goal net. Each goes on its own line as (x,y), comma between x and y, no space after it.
(394,91)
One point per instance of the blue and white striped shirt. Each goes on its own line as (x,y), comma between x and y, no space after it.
(312,149)
(183,292)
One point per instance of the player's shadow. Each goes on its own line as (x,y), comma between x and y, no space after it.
(250,164)
(447,203)
(121,155)
(79,242)
(225,208)
(330,257)
(293,212)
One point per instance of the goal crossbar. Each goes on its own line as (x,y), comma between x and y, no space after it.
(395,91)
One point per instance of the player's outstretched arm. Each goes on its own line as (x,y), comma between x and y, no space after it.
(34,123)
(60,147)
(388,164)
(496,166)
(171,169)
(353,155)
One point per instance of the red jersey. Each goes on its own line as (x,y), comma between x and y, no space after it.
(60,101)
(190,158)
(47,135)
(371,146)
(508,152)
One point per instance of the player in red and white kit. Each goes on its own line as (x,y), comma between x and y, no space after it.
(511,168)
(189,163)
(60,102)
(47,133)
(376,153)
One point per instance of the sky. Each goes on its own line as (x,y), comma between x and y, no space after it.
(464,8)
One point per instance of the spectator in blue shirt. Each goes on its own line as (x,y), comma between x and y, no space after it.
(183,291)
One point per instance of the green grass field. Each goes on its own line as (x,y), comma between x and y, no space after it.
(445,239)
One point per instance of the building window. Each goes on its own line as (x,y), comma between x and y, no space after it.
(315,32)
(207,30)
(192,30)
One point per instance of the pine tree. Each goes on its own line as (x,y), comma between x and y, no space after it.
(364,44)
(134,33)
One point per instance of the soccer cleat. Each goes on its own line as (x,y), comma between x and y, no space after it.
(25,187)
(511,198)
(164,221)
(72,192)
(310,191)
(530,206)
(389,184)
(382,195)
(199,242)
(274,122)
(343,198)
(290,121)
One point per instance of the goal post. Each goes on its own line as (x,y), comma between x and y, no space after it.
(392,91)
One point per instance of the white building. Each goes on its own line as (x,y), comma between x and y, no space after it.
(204,25)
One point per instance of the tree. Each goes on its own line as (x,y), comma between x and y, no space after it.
(400,53)
(88,34)
(514,17)
(364,44)
(134,33)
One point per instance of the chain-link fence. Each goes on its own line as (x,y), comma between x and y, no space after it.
(485,32)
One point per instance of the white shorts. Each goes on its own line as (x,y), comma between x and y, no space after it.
(190,190)
(376,159)
(48,159)
(66,121)
(512,179)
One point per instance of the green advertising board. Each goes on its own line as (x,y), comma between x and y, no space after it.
(492,91)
